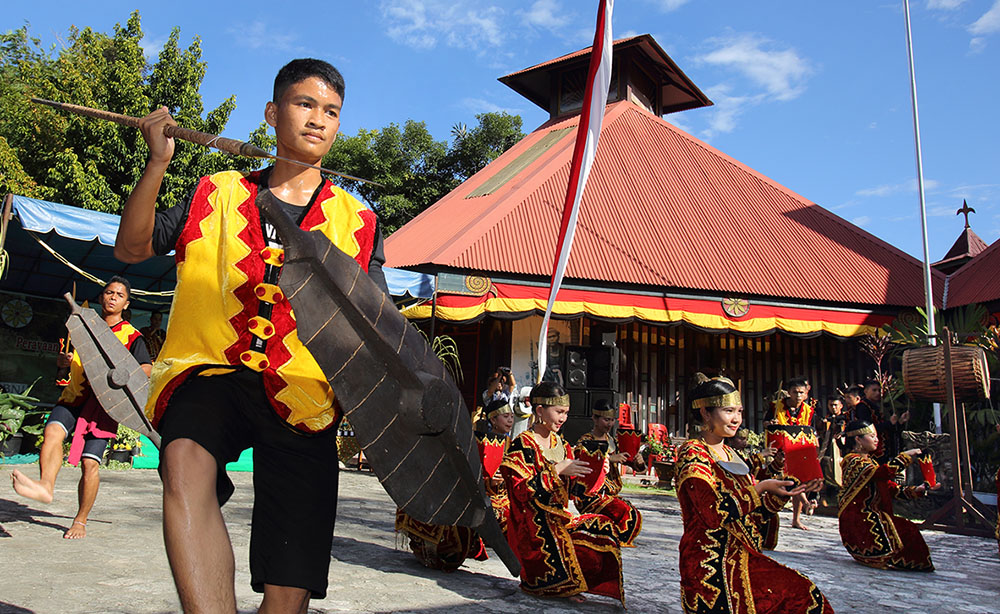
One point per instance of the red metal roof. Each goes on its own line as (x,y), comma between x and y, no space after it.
(661,209)
(977,281)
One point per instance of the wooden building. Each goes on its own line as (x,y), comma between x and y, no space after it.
(684,259)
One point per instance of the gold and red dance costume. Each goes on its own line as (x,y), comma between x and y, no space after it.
(446,547)
(764,468)
(722,568)
(496,489)
(228,311)
(872,534)
(607,502)
(561,555)
(441,547)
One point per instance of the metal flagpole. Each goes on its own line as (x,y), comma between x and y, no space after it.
(928,288)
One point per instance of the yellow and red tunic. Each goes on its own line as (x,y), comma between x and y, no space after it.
(801,416)
(872,534)
(561,555)
(607,502)
(722,569)
(222,306)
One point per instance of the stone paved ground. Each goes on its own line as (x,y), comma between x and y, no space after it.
(121,566)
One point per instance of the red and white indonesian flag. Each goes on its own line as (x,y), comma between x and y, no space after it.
(591,117)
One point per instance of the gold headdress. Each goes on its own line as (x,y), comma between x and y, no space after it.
(562,400)
(865,430)
(610,412)
(731,399)
(500,409)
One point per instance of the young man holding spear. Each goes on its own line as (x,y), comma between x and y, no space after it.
(232,373)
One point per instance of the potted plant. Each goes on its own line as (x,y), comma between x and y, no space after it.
(13,409)
(126,445)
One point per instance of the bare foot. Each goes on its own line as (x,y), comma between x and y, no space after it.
(812,508)
(577,598)
(77,530)
(799,525)
(26,487)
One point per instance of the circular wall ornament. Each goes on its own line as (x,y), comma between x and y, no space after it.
(16,313)
(735,307)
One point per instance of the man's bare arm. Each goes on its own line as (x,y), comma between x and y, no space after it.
(135,233)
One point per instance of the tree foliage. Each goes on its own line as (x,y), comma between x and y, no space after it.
(90,163)
(415,170)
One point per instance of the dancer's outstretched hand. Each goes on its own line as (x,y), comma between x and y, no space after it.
(572,468)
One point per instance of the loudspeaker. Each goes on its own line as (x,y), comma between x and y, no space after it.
(591,367)
(602,371)
(576,367)
(578,405)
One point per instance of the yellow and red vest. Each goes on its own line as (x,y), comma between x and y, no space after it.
(782,415)
(77,390)
(221,258)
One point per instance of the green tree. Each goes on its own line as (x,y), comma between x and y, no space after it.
(415,170)
(91,163)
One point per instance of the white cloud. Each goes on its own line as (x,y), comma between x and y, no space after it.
(669,5)
(989,23)
(862,221)
(895,188)
(546,14)
(781,72)
(726,110)
(258,34)
(977,44)
(151,47)
(945,5)
(463,24)
(481,105)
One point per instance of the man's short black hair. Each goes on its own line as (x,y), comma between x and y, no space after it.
(872,382)
(118,279)
(796,382)
(299,70)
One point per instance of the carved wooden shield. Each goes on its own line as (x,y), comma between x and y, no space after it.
(407,413)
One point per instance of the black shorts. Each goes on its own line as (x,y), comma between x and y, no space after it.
(93,446)
(294,480)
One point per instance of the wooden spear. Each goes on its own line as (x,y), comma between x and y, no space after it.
(232,146)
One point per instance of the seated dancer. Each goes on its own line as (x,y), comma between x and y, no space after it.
(447,547)
(768,463)
(438,546)
(561,555)
(796,410)
(722,569)
(501,419)
(78,412)
(606,501)
(872,534)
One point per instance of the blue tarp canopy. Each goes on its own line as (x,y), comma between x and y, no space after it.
(85,238)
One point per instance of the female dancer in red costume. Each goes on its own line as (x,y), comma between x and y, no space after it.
(872,534)
(561,555)
(607,500)
(722,569)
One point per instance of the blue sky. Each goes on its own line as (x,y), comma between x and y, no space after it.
(814,95)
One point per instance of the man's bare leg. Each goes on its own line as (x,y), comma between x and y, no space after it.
(284,600)
(797,503)
(50,459)
(194,532)
(86,493)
